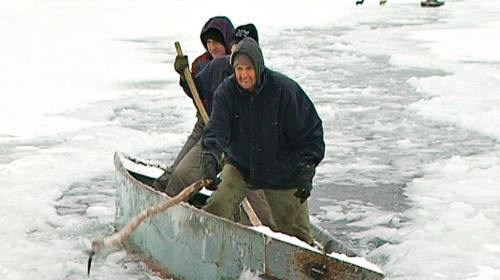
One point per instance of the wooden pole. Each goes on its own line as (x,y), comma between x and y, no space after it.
(199,105)
(192,87)
(129,228)
(118,237)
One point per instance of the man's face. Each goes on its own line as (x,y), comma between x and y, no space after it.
(215,48)
(244,72)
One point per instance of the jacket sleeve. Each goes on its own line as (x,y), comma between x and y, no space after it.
(196,67)
(209,78)
(202,82)
(216,135)
(304,128)
(185,86)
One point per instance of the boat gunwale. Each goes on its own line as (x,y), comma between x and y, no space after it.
(134,182)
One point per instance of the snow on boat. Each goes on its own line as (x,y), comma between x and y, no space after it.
(185,242)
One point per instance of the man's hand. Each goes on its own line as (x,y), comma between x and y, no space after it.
(208,168)
(304,182)
(181,63)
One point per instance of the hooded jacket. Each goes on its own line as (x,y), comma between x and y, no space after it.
(216,70)
(226,28)
(209,79)
(268,135)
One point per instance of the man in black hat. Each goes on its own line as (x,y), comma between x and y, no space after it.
(242,31)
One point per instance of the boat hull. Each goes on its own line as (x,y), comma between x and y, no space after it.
(189,243)
(431,4)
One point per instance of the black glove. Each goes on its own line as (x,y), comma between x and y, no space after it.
(208,168)
(181,63)
(305,182)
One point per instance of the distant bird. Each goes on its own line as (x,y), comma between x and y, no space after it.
(382,2)
(360,2)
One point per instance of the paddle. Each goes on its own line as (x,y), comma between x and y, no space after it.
(118,237)
(199,105)
(128,229)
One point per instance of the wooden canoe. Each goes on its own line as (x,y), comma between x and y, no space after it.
(185,242)
(431,3)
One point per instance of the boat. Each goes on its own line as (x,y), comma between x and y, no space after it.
(185,242)
(431,3)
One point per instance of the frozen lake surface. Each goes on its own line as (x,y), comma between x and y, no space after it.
(409,99)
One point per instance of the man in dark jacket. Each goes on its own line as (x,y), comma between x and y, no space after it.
(216,36)
(272,138)
(187,170)
(209,79)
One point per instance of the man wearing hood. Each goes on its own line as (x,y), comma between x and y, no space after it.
(188,169)
(272,138)
(218,69)
(216,36)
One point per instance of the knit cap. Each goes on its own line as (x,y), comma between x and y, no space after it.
(213,34)
(246,30)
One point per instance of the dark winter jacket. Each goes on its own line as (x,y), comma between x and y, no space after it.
(209,79)
(268,135)
(225,27)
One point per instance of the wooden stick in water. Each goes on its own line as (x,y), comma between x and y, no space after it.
(129,228)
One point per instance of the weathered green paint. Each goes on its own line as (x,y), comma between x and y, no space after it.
(194,245)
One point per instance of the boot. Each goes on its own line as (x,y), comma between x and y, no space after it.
(161,183)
